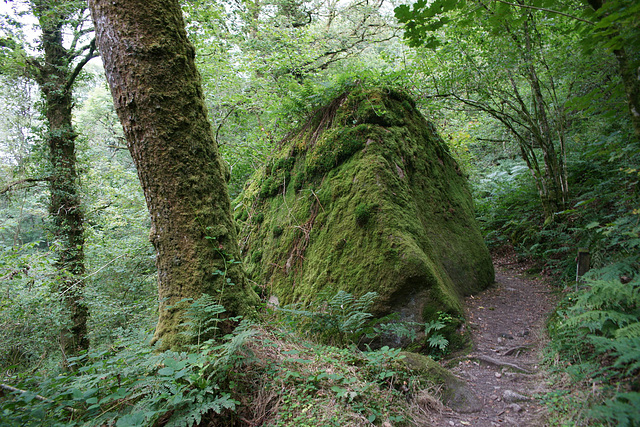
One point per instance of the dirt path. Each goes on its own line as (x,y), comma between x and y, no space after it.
(507,326)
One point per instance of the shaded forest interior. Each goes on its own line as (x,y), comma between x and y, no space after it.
(136,191)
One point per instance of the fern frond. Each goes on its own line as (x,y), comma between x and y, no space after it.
(596,320)
(621,411)
(437,340)
(607,294)
(192,415)
(340,301)
(629,331)
(625,350)
(364,303)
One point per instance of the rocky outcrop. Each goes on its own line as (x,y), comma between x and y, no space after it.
(365,197)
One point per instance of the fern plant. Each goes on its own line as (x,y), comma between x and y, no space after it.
(601,327)
(621,411)
(340,321)
(132,386)
(607,308)
(434,339)
(203,316)
(345,319)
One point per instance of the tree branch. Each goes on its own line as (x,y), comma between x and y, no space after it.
(17,390)
(543,9)
(76,71)
(10,186)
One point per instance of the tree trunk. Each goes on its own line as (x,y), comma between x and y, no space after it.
(630,75)
(554,198)
(65,209)
(631,81)
(158,97)
(55,78)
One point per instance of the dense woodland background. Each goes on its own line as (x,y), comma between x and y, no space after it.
(537,100)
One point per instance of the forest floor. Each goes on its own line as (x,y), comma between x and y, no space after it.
(504,371)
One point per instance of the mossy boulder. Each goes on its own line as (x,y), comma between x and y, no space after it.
(365,197)
(455,392)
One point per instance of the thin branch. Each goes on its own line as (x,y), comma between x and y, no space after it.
(78,31)
(14,273)
(224,119)
(77,282)
(89,56)
(35,70)
(10,186)
(17,390)
(36,396)
(524,6)
(493,140)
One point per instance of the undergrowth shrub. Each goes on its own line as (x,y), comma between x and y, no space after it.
(32,315)
(601,213)
(596,333)
(339,320)
(321,385)
(258,375)
(345,320)
(507,208)
(129,385)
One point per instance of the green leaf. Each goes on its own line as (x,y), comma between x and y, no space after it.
(77,394)
(438,341)
(167,371)
(131,420)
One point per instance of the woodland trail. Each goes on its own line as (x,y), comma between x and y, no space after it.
(507,324)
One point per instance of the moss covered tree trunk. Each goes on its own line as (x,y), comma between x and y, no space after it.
(158,97)
(66,212)
(55,74)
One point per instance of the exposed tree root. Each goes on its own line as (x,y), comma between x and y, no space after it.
(496,362)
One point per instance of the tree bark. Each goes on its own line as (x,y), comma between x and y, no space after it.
(630,74)
(631,81)
(55,76)
(158,96)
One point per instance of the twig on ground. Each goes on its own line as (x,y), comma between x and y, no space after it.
(10,388)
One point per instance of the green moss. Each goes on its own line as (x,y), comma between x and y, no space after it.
(283,164)
(334,147)
(269,187)
(241,215)
(381,165)
(256,256)
(276,176)
(363,213)
(258,218)
(455,392)
(277,231)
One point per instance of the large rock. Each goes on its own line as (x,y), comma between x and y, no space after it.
(365,197)
(455,393)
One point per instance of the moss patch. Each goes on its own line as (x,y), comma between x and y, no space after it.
(377,204)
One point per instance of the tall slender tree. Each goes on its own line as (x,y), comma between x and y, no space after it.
(56,67)
(158,96)
(618,28)
(502,66)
